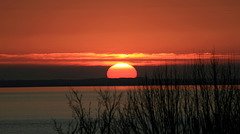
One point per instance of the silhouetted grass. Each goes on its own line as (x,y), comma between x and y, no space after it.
(168,107)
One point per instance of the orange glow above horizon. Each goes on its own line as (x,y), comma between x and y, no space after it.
(121,70)
(106,59)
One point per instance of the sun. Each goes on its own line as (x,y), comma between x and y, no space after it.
(121,70)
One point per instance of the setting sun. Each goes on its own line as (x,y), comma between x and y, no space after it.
(121,70)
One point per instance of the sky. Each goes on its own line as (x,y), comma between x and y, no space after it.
(100,33)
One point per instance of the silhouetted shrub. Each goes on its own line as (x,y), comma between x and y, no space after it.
(209,103)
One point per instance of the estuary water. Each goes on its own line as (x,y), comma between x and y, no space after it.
(30,110)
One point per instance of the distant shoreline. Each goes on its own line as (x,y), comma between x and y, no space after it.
(97,82)
(69,83)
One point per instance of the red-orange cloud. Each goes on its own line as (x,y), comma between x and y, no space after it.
(106,59)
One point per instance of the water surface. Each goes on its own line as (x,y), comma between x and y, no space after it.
(29,110)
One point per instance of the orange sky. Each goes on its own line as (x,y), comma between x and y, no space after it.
(119,26)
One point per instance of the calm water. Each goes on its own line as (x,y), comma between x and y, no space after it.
(29,110)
